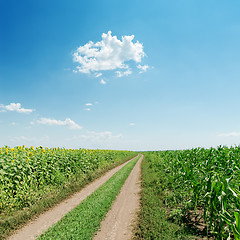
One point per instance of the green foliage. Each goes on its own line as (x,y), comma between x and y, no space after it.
(153,219)
(34,179)
(26,173)
(204,180)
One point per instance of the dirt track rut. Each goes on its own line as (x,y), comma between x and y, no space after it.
(119,221)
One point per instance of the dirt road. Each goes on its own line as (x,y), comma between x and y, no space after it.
(36,227)
(119,221)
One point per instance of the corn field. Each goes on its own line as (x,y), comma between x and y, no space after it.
(206,181)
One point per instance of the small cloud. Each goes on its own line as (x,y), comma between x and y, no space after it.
(75,71)
(98,75)
(142,68)
(23,140)
(67,122)
(121,74)
(13,124)
(88,104)
(88,109)
(110,53)
(103,82)
(15,107)
(131,124)
(231,134)
(97,136)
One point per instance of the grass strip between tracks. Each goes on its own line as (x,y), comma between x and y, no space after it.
(83,221)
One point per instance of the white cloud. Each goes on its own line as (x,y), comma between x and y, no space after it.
(108,54)
(97,136)
(121,74)
(23,138)
(231,134)
(98,75)
(88,109)
(132,124)
(15,107)
(103,82)
(29,141)
(67,122)
(142,68)
(88,104)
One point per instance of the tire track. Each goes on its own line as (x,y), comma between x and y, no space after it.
(119,221)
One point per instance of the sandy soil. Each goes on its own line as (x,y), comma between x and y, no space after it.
(36,227)
(119,221)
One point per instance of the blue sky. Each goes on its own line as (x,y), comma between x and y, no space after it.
(72,76)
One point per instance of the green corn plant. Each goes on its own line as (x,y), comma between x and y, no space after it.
(233,220)
(204,177)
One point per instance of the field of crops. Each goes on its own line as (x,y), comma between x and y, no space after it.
(28,174)
(185,194)
(201,185)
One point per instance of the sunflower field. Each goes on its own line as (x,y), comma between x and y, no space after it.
(28,175)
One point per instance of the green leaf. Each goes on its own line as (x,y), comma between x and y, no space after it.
(237,217)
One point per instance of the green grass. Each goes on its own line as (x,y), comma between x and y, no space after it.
(83,221)
(13,221)
(154,220)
